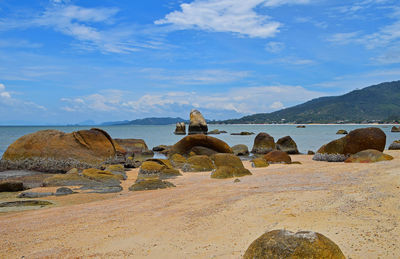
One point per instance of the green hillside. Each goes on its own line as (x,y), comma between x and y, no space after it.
(377,103)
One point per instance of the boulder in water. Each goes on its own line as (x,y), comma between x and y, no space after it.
(263,143)
(180,128)
(243,133)
(289,245)
(198,124)
(342,132)
(287,144)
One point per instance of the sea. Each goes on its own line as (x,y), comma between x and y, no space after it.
(312,137)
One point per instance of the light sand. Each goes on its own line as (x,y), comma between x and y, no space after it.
(355,205)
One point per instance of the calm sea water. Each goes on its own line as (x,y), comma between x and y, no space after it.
(309,138)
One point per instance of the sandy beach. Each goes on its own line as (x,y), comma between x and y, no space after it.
(355,205)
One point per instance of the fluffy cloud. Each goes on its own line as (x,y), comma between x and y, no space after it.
(235,16)
(9,103)
(274,47)
(239,101)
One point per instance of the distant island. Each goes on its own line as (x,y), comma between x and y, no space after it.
(147,121)
(374,104)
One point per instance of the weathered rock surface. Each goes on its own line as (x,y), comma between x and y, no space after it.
(368,156)
(263,143)
(163,149)
(240,150)
(287,144)
(395,145)
(198,124)
(342,132)
(180,128)
(289,245)
(177,160)
(198,164)
(259,162)
(203,151)
(159,168)
(117,170)
(11,186)
(354,142)
(134,147)
(25,203)
(185,145)
(57,152)
(277,157)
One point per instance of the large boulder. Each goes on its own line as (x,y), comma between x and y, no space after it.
(289,245)
(198,124)
(227,166)
(395,145)
(277,157)
(198,164)
(287,144)
(395,129)
(185,145)
(56,151)
(180,128)
(354,142)
(134,147)
(240,150)
(368,156)
(263,143)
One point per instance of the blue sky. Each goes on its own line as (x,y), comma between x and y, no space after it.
(67,61)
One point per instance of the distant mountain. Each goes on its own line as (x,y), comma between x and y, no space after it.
(147,121)
(377,103)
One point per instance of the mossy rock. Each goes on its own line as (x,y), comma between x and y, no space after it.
(115,168)
(25,203)
(178,160)
(150,184)
(164,162)
(198,164)
(151,167)
(224,172)
(223,159)
(100,175)
(259,162)
(72,179)
(289,245)
(368,156)
(168,173)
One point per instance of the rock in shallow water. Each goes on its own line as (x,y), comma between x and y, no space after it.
(289,245)
(198,124)
(263,143)
(287,144)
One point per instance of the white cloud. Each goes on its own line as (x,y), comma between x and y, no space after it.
(11,103)
(235,16)
(246,100)
(275,3)
(274,47)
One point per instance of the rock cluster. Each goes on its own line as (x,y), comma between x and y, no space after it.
(354,142)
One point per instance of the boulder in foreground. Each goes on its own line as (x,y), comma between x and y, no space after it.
(368,156)
(277,157)
(354,142)
(57,152)
(228,166)
(289,245)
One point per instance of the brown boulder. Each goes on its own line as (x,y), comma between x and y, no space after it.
(368,156)
(263,143)
(354,142)
(289,245)
(287,144)
(134,147)
(277,157)
(198,124)
(56,151)
(185,145)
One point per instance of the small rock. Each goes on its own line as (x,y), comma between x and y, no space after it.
(63,191)
(34,194)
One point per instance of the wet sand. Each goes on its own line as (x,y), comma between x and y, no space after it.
(355,205)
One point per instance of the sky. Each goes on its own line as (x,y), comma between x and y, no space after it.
(69,61)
